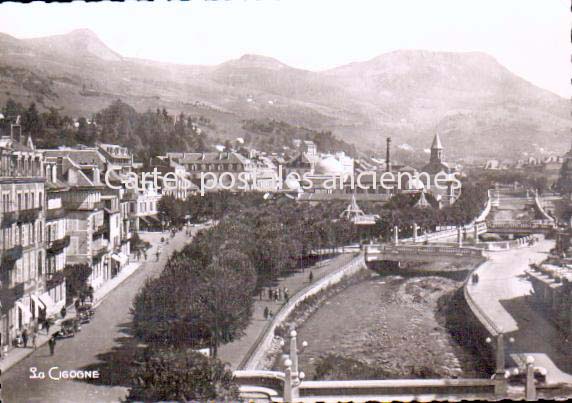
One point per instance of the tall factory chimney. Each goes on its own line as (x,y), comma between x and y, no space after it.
(388,155)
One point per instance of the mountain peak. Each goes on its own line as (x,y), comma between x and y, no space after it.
(81,42)
(252,60)
(83,33)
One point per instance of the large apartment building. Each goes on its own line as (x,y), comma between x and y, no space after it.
(57,239)
(23,293)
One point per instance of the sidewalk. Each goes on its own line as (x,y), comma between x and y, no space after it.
(501,278)
(16,354)
(502,295)
(234,352)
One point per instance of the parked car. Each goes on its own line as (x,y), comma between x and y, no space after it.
(87,309)
(69,328)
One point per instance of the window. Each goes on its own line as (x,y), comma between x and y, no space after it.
(40,263)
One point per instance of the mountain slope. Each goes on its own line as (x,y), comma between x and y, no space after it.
(477,105)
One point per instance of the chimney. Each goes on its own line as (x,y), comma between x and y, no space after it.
(388,155)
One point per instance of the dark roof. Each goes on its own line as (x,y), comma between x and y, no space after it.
(213,158)
(372,197)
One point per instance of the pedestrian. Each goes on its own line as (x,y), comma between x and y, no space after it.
(82,297)
(47,325)
(158,254)
(52,344)
(25,337)
(266,312)
(311,276)
(286,296)
(76,304)
(35,340)
(63,312)
(145,253)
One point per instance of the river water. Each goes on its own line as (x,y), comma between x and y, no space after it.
(390,323)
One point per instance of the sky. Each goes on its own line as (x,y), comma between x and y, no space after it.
(530,37)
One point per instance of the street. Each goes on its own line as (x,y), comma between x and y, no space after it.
(104,345)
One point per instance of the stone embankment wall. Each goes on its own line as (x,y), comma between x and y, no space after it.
(255,355)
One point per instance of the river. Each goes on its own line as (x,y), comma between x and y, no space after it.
(390,325)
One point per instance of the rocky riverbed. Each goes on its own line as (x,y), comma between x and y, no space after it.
(385,327)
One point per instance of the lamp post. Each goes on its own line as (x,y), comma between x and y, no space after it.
(293,376)
(530,387)
(501,386)
(288,389)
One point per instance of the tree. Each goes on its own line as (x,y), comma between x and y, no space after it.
(179,375)
(224,299)
(76,279)
(32,123)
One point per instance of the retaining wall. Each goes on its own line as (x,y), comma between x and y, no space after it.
(259,349)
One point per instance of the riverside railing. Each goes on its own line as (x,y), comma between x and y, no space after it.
(259,348)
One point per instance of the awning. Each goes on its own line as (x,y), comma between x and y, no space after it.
(120,257)
(26,314)
(38,302)
(151,220)
(47,301)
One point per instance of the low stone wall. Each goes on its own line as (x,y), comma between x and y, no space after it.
(506,245)
(400,387)
(256,354)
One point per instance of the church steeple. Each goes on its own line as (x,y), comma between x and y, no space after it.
(436,149)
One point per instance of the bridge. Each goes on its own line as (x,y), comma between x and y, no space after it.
(521,227)
(420,253)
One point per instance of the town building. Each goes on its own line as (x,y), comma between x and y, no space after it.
(441,174)
(57,239)
(22,243)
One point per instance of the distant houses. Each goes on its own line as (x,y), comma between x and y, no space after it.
(80,205)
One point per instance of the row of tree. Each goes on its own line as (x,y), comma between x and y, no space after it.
(203,298)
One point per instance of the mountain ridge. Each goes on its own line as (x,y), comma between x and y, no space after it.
(407,94)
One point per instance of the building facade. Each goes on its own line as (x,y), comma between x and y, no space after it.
(22,243)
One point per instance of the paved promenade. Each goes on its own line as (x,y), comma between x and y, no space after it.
(234,352)
(502,278)
(502,293)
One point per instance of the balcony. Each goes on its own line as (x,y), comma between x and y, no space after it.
(54,279)
(29,215)
(9,218)
(55,214)
(99,249)
(99,253)
(10,295)
(99,231)
(58,245)
(10,256)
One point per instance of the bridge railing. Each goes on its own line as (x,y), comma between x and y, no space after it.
(398,388)
(536,224)
(422,250)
